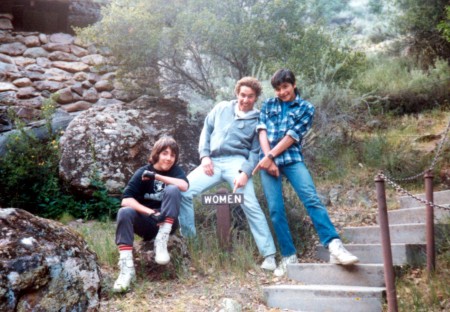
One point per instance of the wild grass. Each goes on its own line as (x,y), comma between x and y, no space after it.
(419,291)
(100,238)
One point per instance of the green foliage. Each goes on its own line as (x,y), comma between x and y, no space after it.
(100,206)
(399,85)
(202,43)
(132,31)
(29,177)
(420,20)
(444,25)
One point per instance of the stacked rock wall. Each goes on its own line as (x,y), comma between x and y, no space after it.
(33,66)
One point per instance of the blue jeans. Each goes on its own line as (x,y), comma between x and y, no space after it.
(225,170)
(300,179)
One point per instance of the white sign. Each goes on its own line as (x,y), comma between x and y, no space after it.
(222,199)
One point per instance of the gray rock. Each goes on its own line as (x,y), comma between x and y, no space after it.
(72,67)
(13,49)
(27,93)
(7,86)
(61,38)
(35,52)
(5,24)
(22,82)
(24,61)
(45,266)
(121,137)
(6,59)
(62,56)
(51,46)
(51,86)
(31,41)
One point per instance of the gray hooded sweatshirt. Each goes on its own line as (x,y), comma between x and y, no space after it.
(226,134)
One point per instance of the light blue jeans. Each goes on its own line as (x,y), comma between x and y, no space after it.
(225,170)
(302,182)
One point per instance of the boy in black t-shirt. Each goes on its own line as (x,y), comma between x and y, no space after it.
(150,208)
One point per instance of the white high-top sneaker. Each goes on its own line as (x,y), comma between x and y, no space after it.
(282,267)
(340,255)
(127,272)
(161,254)
(269,263)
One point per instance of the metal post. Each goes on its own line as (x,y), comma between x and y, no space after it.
(223,214)
(389,276)
(431,254)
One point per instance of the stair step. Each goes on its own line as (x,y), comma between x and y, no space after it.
(416,215)
(323,273)
(325,298)
(411,254)
(439,198)
(411,233)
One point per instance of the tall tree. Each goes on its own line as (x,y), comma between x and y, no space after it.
(419,21)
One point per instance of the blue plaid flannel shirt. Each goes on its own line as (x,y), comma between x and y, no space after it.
(280,119)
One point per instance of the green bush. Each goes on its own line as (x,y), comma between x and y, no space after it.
(29,177)
(400,86)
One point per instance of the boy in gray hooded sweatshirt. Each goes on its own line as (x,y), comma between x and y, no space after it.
(229,149)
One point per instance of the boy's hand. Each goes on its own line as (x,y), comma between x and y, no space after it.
(148,175)
(240,181)
(208,166)
(267,164)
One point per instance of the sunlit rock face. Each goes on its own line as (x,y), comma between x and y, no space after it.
(45,266)
(111,142)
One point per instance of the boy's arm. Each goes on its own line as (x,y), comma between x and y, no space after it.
(134,204)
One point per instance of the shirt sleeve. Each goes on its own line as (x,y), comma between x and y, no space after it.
(253,157)
(205,136)
(134,186)
(179,173)
(303,123)
(262,118)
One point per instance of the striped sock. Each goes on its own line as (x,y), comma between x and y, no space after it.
(169,220)
(125,247)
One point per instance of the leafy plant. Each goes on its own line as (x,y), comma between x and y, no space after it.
(29,177)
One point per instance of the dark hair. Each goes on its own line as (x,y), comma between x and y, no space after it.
(160,145)
(281,76)
(250,82)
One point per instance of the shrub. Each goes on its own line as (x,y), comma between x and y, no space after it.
(399,86)
(29,177)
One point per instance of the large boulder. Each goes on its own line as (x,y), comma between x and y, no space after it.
(109,143)
(45,266)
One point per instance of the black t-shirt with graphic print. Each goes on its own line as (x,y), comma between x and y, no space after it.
(149,193)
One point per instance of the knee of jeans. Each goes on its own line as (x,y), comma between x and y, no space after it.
(172,190)
(125,213)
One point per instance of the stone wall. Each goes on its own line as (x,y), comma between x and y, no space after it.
(34,65)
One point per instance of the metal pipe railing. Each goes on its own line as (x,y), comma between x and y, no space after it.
(389,275)
(431,253)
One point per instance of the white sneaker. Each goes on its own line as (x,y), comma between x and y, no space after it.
(127,273)
(269,263)
(340,255)
(282,268)
(161,254)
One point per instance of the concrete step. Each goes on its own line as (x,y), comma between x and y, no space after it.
(416,215)
(411,233)
(321,298)
(411,254)
(331,274)
(439,198)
